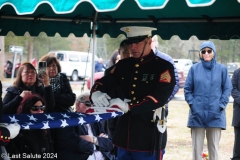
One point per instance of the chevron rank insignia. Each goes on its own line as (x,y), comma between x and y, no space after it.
(165,77)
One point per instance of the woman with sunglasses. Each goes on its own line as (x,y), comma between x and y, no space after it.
(63,95)
(27,83)
(207,90)
(36,141)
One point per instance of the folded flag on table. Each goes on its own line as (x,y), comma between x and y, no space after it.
(60,120)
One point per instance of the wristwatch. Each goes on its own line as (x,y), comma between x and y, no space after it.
(94,139)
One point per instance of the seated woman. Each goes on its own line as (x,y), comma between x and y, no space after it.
(37,141)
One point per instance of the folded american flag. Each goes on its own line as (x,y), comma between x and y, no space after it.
(61,120)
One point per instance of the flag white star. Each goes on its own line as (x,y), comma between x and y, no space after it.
(65,116)
(64,123)
(32,118)
(49,116)
(26,127)
(81,121)
(45,125)
(97,117)
(81,114)
(114,114)
(13,119)
(29,123)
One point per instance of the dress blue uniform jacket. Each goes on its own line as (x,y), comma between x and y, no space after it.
(148,82)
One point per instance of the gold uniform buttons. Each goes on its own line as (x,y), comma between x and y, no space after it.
(146,81)
(136,71)
(122,77)
(136,65)
(137,102)
(142,59)
(131,104)
(134,98)
(135,78)
(132,92)
(134,85)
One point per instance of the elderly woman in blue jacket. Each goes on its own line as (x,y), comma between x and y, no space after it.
(207,90)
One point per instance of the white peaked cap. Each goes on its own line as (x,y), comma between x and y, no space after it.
(135,31)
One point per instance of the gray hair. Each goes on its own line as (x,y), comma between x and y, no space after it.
(82,97)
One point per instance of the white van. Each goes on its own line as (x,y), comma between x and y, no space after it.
(184,65)
(74,63)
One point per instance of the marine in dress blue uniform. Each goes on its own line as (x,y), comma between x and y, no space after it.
(146,82)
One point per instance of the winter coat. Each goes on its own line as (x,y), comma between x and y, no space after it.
(104,144)
(65,98)
(32,142)
(207,90)
(169,59)
(69,145)
(12,99)
(236,96)
(99,67)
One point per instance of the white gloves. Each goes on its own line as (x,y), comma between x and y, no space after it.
(13,129)
(161,125)
(100,99)
(118,103)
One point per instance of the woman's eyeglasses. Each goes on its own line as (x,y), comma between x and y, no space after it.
(208,51)
(36,108)
(87,103)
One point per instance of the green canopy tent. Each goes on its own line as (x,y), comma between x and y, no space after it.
(185,18)
(202,18)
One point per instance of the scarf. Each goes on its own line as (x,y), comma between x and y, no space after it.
(55,83)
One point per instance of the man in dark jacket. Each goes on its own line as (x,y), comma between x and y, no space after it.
(236,112)
(75,143)
(147,82)
(93,133)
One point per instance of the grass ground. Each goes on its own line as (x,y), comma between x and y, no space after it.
(179,137)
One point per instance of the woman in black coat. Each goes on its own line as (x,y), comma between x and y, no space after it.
(27,83)
(64,97)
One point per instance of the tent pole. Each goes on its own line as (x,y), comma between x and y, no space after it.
(94,27)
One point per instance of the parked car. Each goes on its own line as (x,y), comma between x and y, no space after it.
(75,64)
(8,69)
(181,78)
(183,65)
(99,75)
(232,67)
